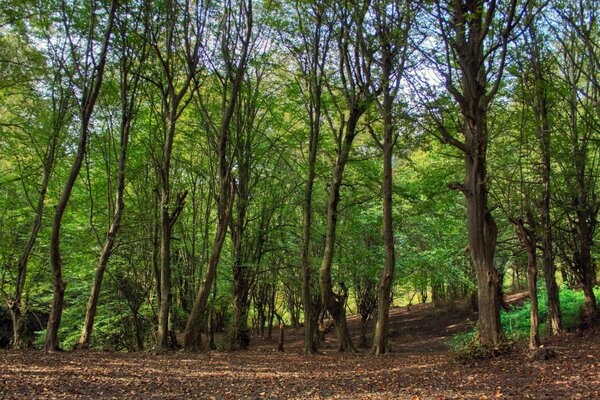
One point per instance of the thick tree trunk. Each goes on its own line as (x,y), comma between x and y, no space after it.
(482,233)
(18,321)
(240,339)
(87,107)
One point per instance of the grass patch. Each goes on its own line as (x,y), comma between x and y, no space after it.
(515,323)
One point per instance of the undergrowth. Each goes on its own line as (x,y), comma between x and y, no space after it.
(515,324)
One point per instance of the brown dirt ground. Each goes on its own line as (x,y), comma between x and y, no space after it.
(420,367)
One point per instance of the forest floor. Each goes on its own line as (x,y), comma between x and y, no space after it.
(420,367)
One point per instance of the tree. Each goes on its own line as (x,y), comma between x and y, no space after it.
(355,80)
(539,66)
(311,23)
(45,145)
(92,73)
(236,35)
(130,60)
(580,91)
(475,35)
(392,22)
(175,25)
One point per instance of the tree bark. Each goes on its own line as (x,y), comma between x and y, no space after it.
(235,75)
(529,241)
(90,95)
(471,26)
(335,303)
(128,94)
(540,109)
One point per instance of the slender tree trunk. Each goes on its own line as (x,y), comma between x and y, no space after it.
(540,108)
(15,305)
(336,303)
(162,339)
(128,90)
(387,276)
(107,248)
(271,312)
(193,325)
(91,92)
(235,76)
(529,240)
(309,327)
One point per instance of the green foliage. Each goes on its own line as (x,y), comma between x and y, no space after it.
(515,322)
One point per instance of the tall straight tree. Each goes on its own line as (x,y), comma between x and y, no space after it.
(235,44)
(392,22)
(90,61)
(580,75)
(475,36)
(131,59)
(175,33)
(538,61)
(310,53)
(355,85)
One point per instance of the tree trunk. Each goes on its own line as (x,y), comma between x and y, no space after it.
(162,339)
(482,232)
(540,108)
(240,339)
(335,303)
(529,240)
(107,248)
(16,303)
(387,276)
(193,325)
(88,102)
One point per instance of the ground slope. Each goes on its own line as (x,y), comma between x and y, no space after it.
(420,367)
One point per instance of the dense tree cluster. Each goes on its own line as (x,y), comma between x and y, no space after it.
(174,169)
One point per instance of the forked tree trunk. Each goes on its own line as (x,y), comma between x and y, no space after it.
(470,30)
(235,75)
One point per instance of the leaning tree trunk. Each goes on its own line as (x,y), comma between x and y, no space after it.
(16,303)
(88,102)
(128,91)
(336,303)
(107,248)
